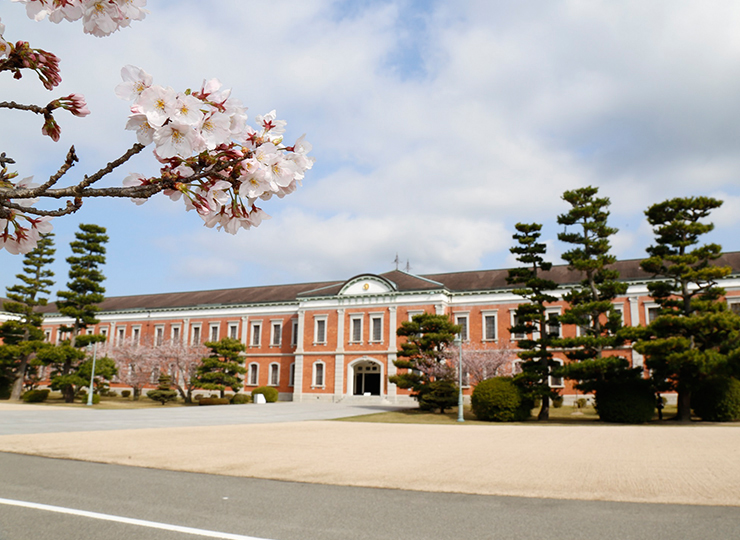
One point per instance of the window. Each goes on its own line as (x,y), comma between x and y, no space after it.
(176,334)
(291,375)
(159,335)
(47,335)
(136,335)
(277,330)
(121,335)
(214,332)
(553,324)
(319,333)
(735,307)
(462,321)
(620,309)
(515,322)
(253,374)
(356,330)
(196,335)
(652,313)
(256,330)
(274,374)
(411,314)
(376,329)
(294,334)
(233,331)
(104,332)
(318,374)
(489,327)
(90,331)
(556,382)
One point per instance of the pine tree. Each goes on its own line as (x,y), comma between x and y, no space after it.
(531,317)
(25,332)
(424,356)
(80,302)
(590,303)
(85,292)
(222,368)
(694,335)
(164,392)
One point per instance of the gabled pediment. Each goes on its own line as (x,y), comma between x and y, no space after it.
(370,284)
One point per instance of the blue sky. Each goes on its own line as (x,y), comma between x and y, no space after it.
(436,126)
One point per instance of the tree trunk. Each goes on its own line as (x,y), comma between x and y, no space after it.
(545,409)
(684,406)
(68,392)
(17,391)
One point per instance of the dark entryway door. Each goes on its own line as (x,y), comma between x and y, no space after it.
(372,383)
(367,379)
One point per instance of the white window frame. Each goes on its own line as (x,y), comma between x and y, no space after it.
(233,330)
(376,321)
(47,336)
(253,374)
(273,374)
(320,321)
(620,309)
(294,333)
(176,333)
(411,314)
(136,334)
(513,336)
(276,336)
(484,328)
(355,325)
(195,336)
(214,330)
(120,335)
(291,374)
(314,375)
(158,335)
(551,380)
(463,319)
(554,311)
(255,333)
(648,308)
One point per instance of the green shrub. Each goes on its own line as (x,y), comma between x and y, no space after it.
(626,402)
(125,393)
(240,399)
(271,394)
(557,401)
(213,401)
(580,403)
(500,400)
(35,396)
(438,395)
(717,400)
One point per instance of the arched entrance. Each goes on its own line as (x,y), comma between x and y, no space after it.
(366,377)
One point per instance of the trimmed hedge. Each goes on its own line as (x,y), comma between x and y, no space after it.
(499,400)
(125,393)
(626,402)
(717,400)
(271,394)
(239,399)
(437,395)
(213,401)
(35,396)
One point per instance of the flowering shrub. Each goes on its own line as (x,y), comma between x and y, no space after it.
(210,157)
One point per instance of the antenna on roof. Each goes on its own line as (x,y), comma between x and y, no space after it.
(408,267)
(396,260)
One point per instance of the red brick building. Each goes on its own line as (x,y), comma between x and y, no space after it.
(335,340)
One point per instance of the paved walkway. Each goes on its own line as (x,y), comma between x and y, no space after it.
(694,464)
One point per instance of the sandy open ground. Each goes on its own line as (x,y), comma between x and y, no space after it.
(693,464)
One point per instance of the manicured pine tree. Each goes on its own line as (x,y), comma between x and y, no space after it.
(532,317)
(80,301)
(590,303)
(24,334)
(164,392)
(424,355)
(694,335)
(222,368)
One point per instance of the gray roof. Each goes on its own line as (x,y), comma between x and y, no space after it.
(455,282)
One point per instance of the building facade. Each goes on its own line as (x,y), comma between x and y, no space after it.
(337,340)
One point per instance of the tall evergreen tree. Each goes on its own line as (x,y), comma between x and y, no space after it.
(424,355)
(80,303)
(85,292)
(25,332)
(221,369)
(532,318)
(590,303)
(694,334)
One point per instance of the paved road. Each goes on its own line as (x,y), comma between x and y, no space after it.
(19,420)
(292,511)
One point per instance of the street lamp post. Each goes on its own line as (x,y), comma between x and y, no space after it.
(92,376)
(458,342)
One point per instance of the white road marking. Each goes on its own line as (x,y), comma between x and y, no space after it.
(129,521)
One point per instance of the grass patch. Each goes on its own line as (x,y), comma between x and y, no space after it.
(55,400)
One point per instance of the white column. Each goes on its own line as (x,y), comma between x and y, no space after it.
(392,349)
(634,312)
(245,331)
